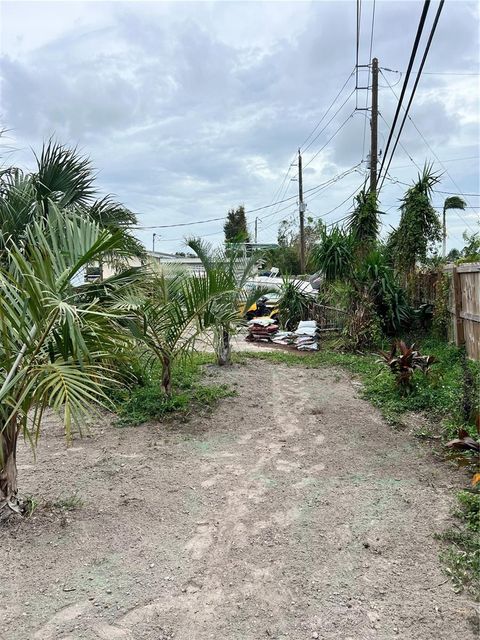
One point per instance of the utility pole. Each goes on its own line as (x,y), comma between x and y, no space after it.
(301,211)
(374,128)
(444,233)
(153,243)
(256,223)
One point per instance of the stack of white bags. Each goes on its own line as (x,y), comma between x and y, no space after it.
(307,336)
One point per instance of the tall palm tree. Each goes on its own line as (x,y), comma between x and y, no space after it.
(54,339)
(453,202)
(230,274)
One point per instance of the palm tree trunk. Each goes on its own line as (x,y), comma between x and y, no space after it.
(8,462)
(167,375)
(224,352)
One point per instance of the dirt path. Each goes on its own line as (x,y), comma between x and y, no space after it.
(291,512)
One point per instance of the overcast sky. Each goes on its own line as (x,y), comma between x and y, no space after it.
(188,109)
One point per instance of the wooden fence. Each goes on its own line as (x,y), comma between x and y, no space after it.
(464,306)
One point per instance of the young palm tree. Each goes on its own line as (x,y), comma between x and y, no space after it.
(225,312)
(334,255)
(54,340)
(453,202)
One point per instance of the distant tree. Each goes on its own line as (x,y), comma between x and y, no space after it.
(235,226)
(453,255)
(419,228)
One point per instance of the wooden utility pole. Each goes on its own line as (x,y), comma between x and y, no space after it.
(301,211)
(374,127)
(256,228)
(153,242)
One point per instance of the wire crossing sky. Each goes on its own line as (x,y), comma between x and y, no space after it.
(189,109)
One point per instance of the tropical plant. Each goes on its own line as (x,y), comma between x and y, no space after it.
(388,297)
(363,223)
(228,276)
(293,304)
(403,361)
(419,227)
(54,344)
(334,255)
(63,179)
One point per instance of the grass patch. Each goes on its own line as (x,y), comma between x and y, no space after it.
(462,559)
(145,402)
(69,503)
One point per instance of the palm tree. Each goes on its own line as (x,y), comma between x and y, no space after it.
(54,340)
(453,202)
(363,224)
(65,179)
(419,227)
(334,255)
(230,275)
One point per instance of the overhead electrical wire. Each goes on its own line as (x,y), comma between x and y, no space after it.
(440,162)
(372,29)
(417,80)
(413,54)
(327,111)
(329,140)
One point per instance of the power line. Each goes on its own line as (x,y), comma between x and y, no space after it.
(421,24)
(434,154)
(417,80)
(323,129)
(327,111)
(433,73)
(330,139)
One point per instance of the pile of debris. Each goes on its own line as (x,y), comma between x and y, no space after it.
(262,329)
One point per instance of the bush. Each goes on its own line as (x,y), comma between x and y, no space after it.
(148,401)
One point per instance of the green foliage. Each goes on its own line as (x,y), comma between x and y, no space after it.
(403,361)
(141,404)
(293,305)
(334,255)
(419,227)
(377,275)
(362,329)
(471,251)
(69,503)
(363,224)
(226,278)
(286,259)
(65,180)
(441,312)
(462,558)
(235,226)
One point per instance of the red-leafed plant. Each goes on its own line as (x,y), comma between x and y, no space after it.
(403,361)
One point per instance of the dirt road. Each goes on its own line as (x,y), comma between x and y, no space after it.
(291,512)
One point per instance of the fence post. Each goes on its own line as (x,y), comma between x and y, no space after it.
(457,301)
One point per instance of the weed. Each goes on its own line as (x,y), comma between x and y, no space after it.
(462,559)
(69,503)
(29,505)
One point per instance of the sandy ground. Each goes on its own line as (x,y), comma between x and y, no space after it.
(290,512)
